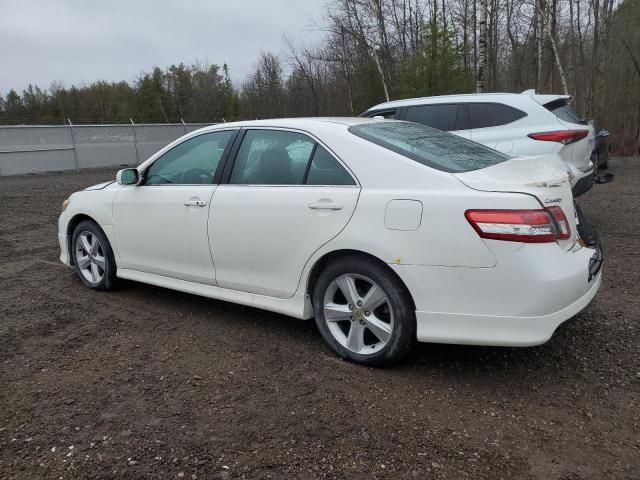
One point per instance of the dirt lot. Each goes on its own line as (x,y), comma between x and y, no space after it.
(145,382)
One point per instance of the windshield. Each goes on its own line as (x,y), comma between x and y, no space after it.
(428,146)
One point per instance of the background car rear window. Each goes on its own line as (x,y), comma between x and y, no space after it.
(442,117)
(428,146)
(483,115)
(562,110)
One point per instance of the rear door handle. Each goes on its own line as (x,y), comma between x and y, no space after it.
(195,203)
(325,206)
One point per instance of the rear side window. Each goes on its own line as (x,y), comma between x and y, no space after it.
(442,117)
(428,146)
(325,170)
(562,110)
(280,157)
(272,157)
(483,115)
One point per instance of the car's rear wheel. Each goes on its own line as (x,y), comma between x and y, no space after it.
(92,256)
(364,312)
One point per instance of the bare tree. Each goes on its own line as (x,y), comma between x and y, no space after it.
(539,42)
(482,47)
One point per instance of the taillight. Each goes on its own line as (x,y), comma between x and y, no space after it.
(561,136)
(528,226)
(562,224)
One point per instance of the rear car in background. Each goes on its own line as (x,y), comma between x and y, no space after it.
(525,124)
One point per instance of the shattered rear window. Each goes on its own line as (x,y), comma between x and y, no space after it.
(428,146)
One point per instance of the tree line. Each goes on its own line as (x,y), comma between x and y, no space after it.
(374,50)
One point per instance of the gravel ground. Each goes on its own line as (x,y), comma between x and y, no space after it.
(145,382)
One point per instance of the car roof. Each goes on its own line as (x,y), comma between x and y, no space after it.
(468,97)
(300,122)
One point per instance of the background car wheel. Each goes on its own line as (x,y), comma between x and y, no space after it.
(364,312)
(92,256)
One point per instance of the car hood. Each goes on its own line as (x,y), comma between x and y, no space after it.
(100,186)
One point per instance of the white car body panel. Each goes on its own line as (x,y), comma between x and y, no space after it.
(243,221)
(257,245)
(151,221)
(296,306)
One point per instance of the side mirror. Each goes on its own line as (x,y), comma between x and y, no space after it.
(128,176)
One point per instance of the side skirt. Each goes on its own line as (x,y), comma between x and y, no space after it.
(296,306)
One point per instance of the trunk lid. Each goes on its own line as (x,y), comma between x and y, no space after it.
(544,176)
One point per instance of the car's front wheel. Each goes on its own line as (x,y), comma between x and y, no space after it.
(92,256)
(364,312)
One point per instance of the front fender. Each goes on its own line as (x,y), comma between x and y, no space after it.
(95,205)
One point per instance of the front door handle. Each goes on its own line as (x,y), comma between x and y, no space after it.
(325,206)
(195,203)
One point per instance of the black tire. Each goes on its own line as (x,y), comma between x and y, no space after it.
(403,332)
(108,279)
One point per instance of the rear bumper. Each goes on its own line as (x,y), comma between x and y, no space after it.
(521,301)
(497,330)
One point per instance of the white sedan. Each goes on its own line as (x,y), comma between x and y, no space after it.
(385,231)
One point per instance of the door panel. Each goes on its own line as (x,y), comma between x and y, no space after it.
(262,236)
(161,226)
(162,229)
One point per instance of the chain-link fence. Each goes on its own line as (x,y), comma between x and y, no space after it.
(37,149)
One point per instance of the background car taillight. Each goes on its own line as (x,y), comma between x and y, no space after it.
(561,136)
(528,226)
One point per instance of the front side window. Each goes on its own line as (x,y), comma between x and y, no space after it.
(483,115)
(192,162)
(442,117)
(428,146)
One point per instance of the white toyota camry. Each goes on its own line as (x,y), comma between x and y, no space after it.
(384,231)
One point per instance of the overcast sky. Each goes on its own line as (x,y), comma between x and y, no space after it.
(80,41)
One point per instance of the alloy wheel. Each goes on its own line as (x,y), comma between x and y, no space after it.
(358,314)
(90,257)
